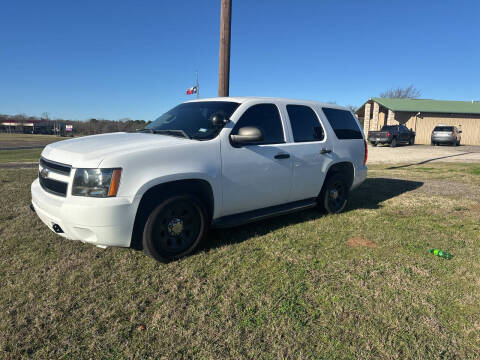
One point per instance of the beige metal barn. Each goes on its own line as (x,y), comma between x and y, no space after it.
(422,115)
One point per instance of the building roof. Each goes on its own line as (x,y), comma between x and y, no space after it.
(427,105)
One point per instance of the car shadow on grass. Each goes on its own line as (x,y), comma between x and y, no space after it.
(369,195)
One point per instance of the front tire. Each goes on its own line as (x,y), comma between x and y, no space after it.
(174,228)
(411,141)
(334,195)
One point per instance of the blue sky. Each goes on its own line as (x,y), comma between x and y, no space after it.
(116,59)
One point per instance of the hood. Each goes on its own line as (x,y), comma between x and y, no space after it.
(89,151)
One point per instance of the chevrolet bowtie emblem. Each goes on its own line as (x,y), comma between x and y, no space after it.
(44,173)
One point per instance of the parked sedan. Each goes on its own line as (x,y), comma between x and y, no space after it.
(445,134)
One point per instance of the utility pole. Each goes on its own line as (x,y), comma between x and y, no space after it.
(224,61)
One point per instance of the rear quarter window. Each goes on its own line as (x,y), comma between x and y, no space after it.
(343,124)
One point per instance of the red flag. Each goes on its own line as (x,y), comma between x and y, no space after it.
(192,90)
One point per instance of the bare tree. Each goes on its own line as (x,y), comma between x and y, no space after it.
(410,92)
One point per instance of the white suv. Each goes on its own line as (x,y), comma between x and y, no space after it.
(205,163)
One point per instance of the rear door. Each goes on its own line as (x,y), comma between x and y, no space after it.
(404,134)
(311,151)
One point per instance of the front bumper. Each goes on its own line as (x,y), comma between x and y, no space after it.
(98,221)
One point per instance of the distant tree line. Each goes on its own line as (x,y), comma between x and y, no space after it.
(89,127)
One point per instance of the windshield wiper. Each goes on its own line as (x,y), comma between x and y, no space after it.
(172,132)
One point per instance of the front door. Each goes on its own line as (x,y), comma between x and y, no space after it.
(258,175)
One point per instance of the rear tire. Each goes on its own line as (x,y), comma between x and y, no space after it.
(334,195)
(174,228)
(411,141)
(374,143)
(394,142)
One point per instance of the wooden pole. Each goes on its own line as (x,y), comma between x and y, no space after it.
(224,61)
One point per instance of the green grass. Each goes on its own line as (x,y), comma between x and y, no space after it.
(289,287)
(24,155)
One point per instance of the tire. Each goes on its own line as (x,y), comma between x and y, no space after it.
(458,143)
(373,143)
(334,195)
(394,142)
(411,141)
(174,228)
(455,143)
(432,144)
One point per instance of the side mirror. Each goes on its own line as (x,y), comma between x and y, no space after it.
(218,120)
(247,135)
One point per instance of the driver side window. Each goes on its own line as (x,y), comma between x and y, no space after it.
(265,117)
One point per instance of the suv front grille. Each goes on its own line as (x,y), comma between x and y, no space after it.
(53,186)
(55,167)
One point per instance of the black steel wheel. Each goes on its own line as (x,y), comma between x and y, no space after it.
(174,228)
(334,196)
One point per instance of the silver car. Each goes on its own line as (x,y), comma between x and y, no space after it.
(446,134)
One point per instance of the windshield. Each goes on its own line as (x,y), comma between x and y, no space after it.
(193,120)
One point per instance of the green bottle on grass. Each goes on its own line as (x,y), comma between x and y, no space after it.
(443,254)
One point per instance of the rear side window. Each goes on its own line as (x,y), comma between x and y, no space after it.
(305,124)
(343,124)
(443,128)
(266,117)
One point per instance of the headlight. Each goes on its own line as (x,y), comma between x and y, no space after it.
(96,182)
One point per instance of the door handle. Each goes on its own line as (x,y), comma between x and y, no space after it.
(325,151)
(282,156)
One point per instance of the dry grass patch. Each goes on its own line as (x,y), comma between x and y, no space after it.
(360,242)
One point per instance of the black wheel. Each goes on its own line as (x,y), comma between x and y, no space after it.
(458,143)
(334,195)
(174,228)
(411,141)
(394,142)
(432,144)
(374,143)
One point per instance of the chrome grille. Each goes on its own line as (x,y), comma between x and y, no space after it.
(53,186)
(55,167)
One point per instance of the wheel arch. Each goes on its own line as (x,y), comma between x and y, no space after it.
(197,187)
(345,168)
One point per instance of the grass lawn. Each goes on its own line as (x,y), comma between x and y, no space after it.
(24,155)
(27,140)
(361,284)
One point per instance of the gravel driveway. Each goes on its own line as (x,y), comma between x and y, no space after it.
(423,154)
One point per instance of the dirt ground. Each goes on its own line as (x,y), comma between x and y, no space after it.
(421,154)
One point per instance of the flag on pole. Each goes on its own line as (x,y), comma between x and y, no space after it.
(192,90)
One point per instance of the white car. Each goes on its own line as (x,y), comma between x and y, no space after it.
(206,163)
